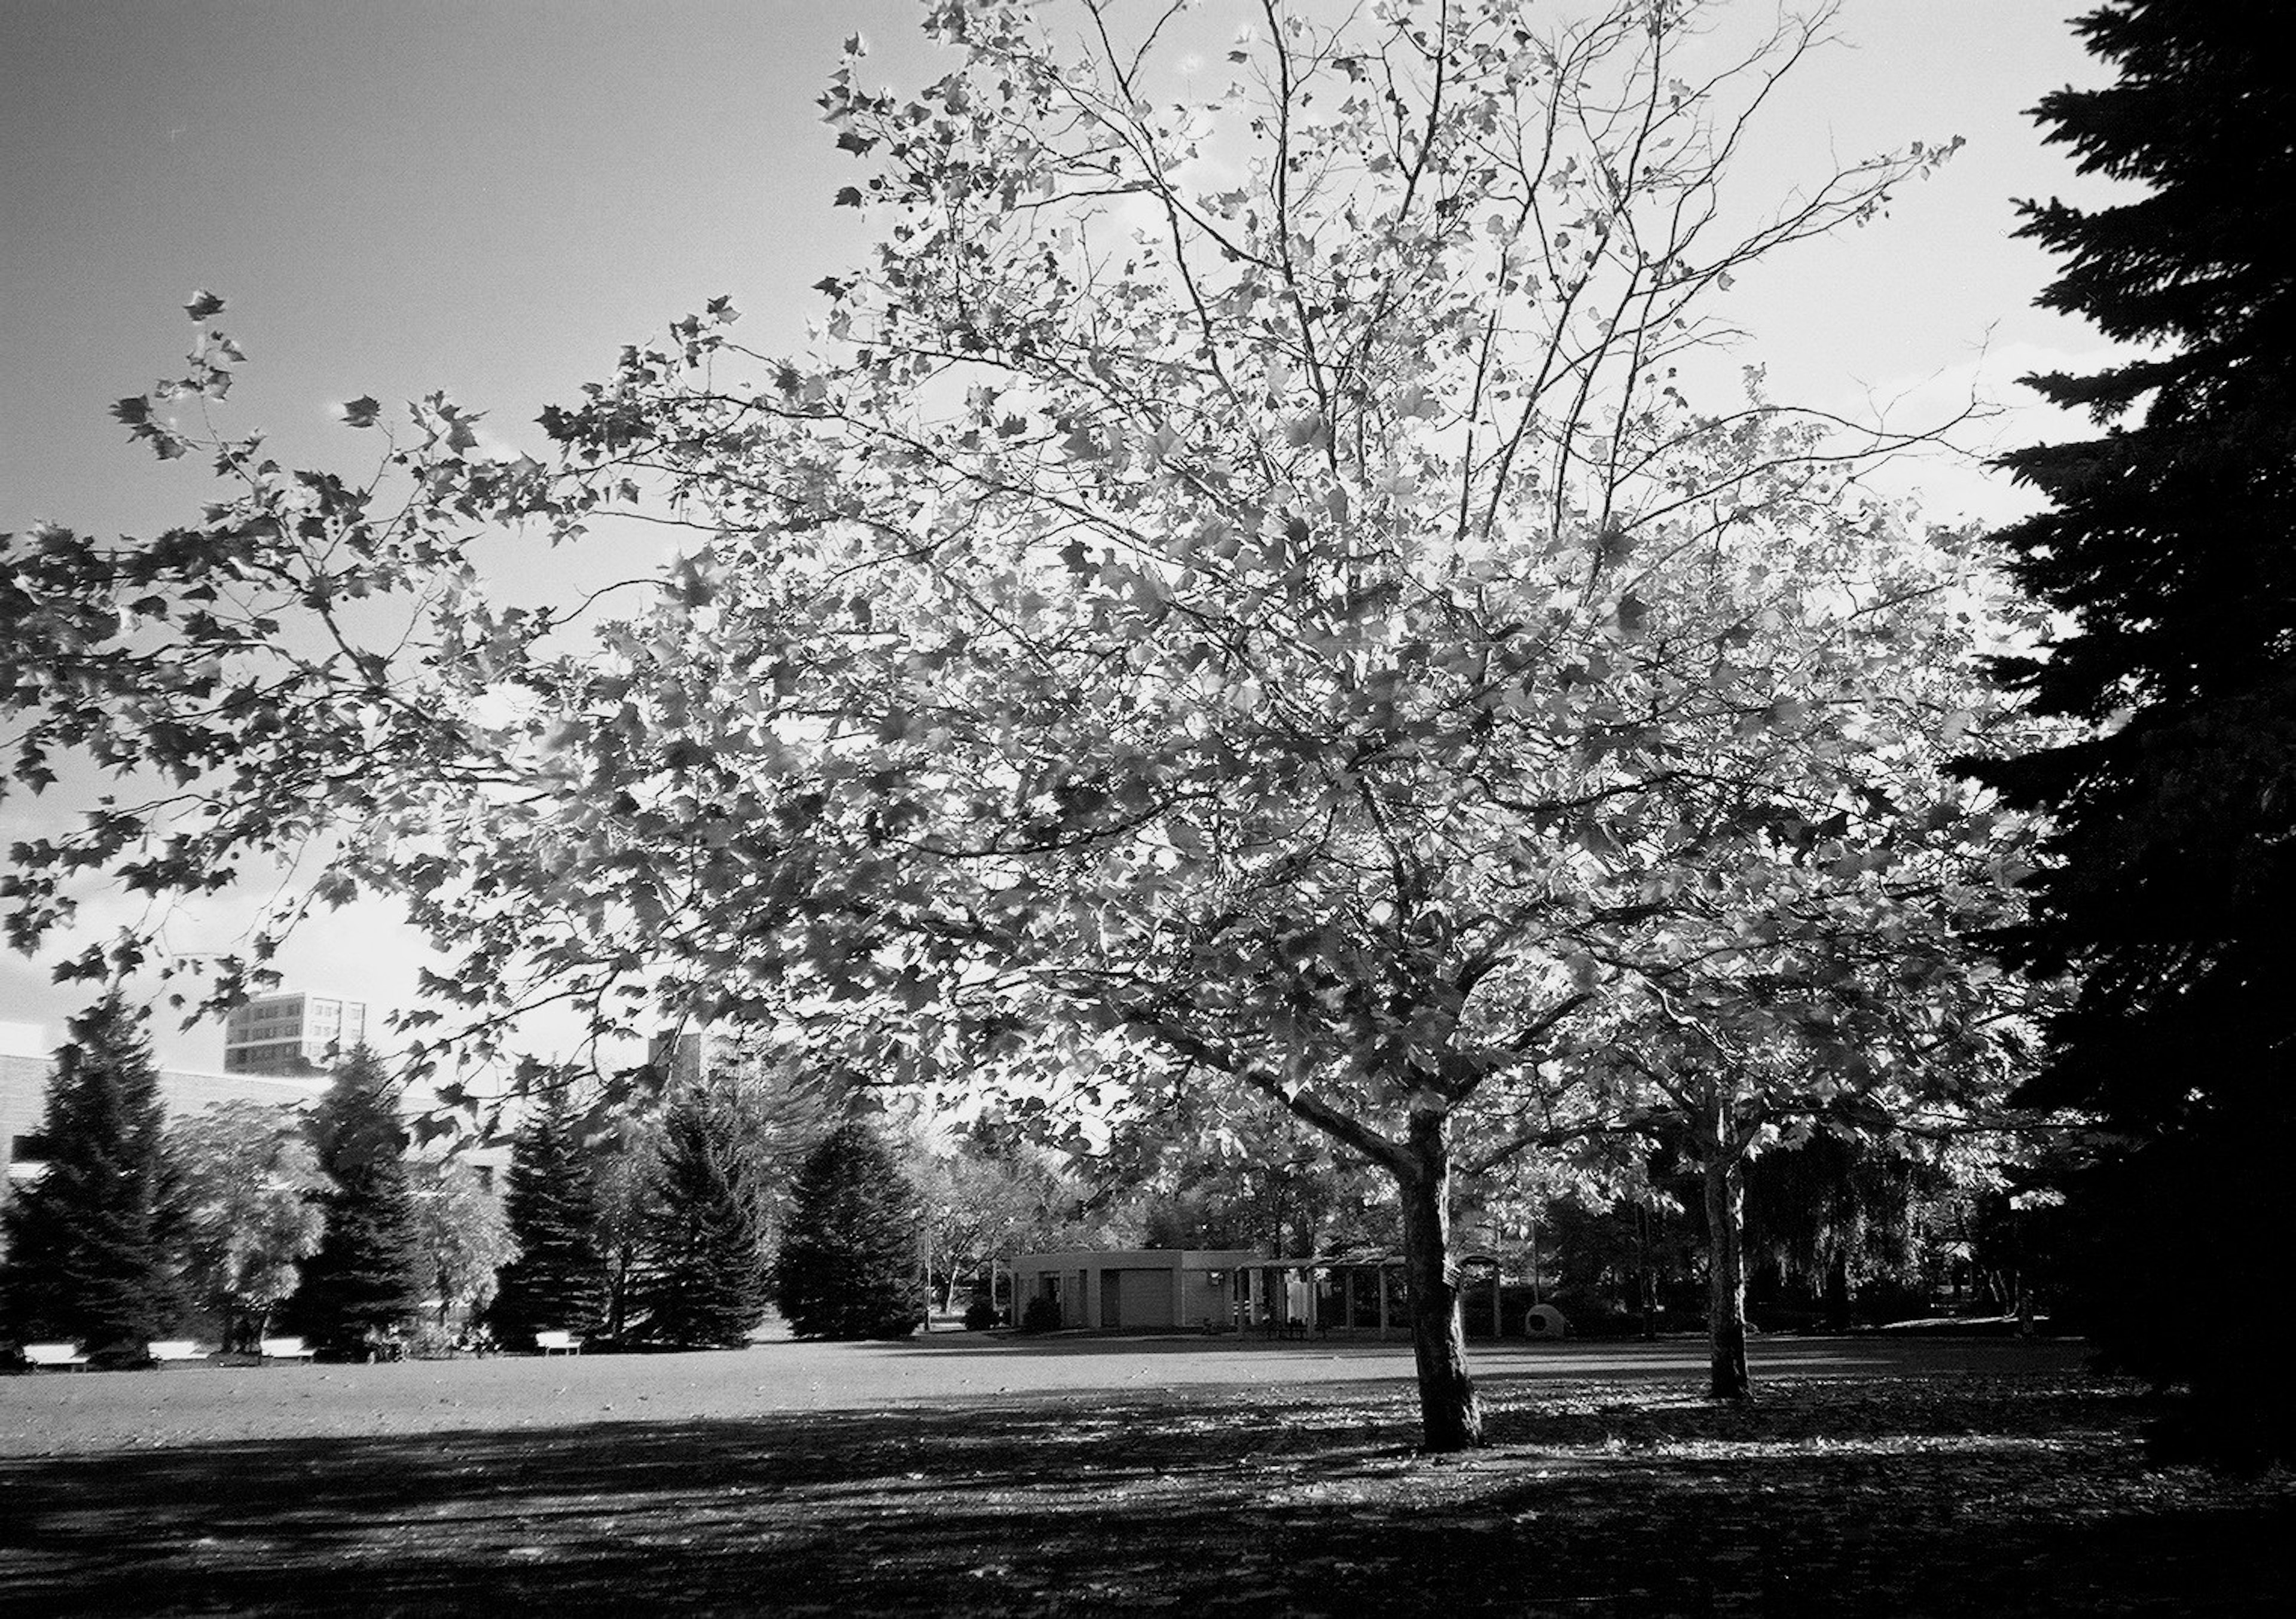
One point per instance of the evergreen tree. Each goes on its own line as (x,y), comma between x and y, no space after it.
(559,1278)
(708,1281)
(366,1278)
(848,1259)
(2169,890)
(88,1242)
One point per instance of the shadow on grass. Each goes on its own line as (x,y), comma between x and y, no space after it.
(1898,1498)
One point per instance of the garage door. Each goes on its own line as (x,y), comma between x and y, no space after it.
(1143,1299)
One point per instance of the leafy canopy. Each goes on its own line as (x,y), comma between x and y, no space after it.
(1240,573)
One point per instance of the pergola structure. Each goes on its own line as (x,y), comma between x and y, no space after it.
(1352,1293)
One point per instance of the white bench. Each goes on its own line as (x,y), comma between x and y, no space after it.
(54,1357)
(285,1349)
(164,1350)
(557,1342)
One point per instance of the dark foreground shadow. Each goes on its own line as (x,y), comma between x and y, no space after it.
(1991,1499)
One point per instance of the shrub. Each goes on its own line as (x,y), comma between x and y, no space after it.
(1042,1315)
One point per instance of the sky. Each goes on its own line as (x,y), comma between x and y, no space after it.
(492,198)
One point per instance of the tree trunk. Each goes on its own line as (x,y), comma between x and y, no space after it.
(1649,1277)
(1839,1296)
(1450,1417)
(1726,1274)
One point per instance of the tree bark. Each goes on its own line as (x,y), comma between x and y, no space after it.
(1648,1277)
(1839,1298)
(1450,1417)
(1726,1274)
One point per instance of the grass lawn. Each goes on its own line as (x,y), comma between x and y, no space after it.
(1101,1477)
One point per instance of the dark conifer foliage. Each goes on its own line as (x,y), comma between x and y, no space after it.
(87,1243)
(366,1278)
(2169,891)
(708,1281)
(847,1267)
(559,1278)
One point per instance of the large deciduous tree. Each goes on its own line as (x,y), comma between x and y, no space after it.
(2171,874)
(88,1243)
(1237,590)
(1728,1071)
(462,1241)
(248,1190)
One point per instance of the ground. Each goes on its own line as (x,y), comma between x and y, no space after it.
(966,1474)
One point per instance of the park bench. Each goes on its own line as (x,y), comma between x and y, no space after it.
(285,1349)
(162,1351)
(557,1342)
(54,1357)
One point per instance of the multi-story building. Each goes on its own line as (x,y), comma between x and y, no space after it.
(291,1033)
(28,1063)
(26,1066)
(687,1056)
(24,1070)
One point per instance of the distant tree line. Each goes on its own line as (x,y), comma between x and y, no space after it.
(244,1219)
(235,1222)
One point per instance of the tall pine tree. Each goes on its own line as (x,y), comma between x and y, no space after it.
(558,1280)
(2170,887)
(88,1242)
(366,1278)
(709,1278)
(847,1267)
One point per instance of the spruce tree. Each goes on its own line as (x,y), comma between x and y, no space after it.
(2168,891)
(558,1280)
(88,1242)
(708,1281)
(366,1278)
(847,1267)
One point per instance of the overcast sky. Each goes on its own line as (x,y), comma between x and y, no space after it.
(492,198)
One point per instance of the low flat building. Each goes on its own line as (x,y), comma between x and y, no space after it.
(28,1063)
(25,1071)
(1126,1290)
